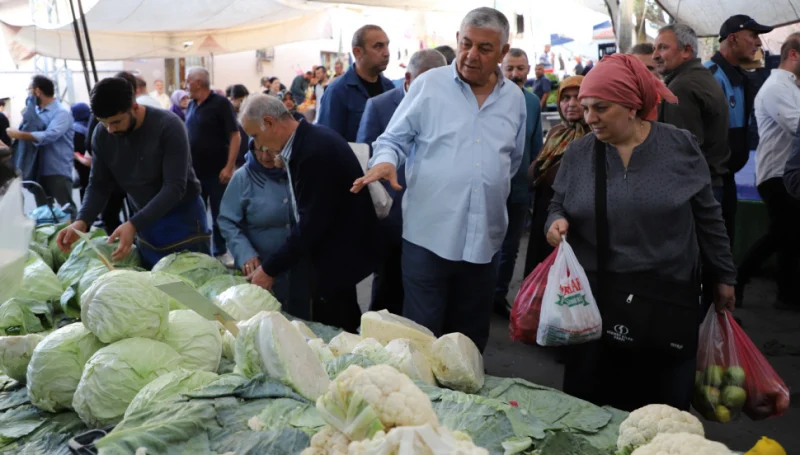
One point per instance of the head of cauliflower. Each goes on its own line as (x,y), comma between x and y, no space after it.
(643,424)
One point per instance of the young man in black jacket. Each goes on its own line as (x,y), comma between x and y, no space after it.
(333,227)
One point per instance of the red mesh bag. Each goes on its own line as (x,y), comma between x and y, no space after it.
(767,394)
(528,302)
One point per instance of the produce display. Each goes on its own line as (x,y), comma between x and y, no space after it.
(171,382)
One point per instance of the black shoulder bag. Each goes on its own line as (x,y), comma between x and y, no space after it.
(640,311)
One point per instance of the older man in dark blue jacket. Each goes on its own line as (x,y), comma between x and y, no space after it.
(336,229)
(343,103)
(387,287)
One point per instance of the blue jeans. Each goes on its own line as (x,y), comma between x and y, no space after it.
(212,196)
(448,296)
(508,252)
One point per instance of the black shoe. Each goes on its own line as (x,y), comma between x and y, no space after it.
(501,306)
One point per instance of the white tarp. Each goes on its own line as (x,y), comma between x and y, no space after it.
(706,17)
(138,29)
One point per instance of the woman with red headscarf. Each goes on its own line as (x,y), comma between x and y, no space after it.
(634,200)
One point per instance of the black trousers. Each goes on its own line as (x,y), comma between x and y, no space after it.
(111,212)
(387,282)
(627,380)
(338,309)
(784,220)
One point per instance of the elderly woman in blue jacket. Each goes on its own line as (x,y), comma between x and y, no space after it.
(255,218)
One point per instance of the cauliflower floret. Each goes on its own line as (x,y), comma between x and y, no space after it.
(327,441)
(643,424)
(361,402)
(373,350)
(420,440)
(682,444)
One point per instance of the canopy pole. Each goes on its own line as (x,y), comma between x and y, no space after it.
(79,43)
(88,43)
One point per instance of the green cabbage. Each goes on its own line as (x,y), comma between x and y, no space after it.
(123,304)
(15,354)
(244,301)
(57,364)
(197,268)
(45,235)
(23,316)
(39,282)
(195,338)
(43,252)
(82,258)
(159,278)
(169,387)
(219,284)
(116,373)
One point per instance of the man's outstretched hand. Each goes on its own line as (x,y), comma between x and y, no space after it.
(382,171)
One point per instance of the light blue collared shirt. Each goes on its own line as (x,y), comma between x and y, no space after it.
(55,143)
(464,158)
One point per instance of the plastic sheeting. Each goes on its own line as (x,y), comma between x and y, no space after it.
(138,29)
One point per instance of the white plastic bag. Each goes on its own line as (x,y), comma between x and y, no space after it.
(15,235)
(569,311)
(380,197)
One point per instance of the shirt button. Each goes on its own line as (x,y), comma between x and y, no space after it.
(288,226)
(477,140)
(285,200)
(477,164)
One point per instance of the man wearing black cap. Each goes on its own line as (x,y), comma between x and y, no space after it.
(739,43)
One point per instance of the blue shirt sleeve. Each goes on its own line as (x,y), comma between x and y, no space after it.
(395,144)
(369,128)
(546,85)
(58,127)
(232,221)
(333,110)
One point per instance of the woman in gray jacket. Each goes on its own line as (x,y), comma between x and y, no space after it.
(635,202)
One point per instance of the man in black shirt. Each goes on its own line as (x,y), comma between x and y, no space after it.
(343,104)
(4,125)
(145,152)
(214,140)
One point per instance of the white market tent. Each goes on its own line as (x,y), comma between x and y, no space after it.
(140,29)
(137,29)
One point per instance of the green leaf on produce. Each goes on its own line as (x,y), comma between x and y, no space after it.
(557,409)
(19,422)
(166,428)
(14,397)
(50,438)
(168,388)
(262,386)
(487,421)
(287,440)
(39,282)
(23,316)
(198,268)
(224,386)
(335,366)
(219,284)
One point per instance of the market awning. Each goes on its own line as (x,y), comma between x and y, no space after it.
(134,29)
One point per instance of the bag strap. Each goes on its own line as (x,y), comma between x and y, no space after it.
(601,209)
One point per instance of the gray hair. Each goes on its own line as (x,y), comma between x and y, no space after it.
(517,52)
(685,35)
(202,74)
(424,60)
(259,106)
(488,18)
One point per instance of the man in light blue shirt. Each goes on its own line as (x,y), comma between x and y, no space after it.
(466,123)
(56,148)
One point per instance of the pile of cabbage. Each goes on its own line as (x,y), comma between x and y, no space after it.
(89,348)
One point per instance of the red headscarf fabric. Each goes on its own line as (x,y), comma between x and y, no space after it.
(625,80)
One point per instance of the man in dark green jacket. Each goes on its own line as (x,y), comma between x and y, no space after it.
(702,107)
(516,68)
